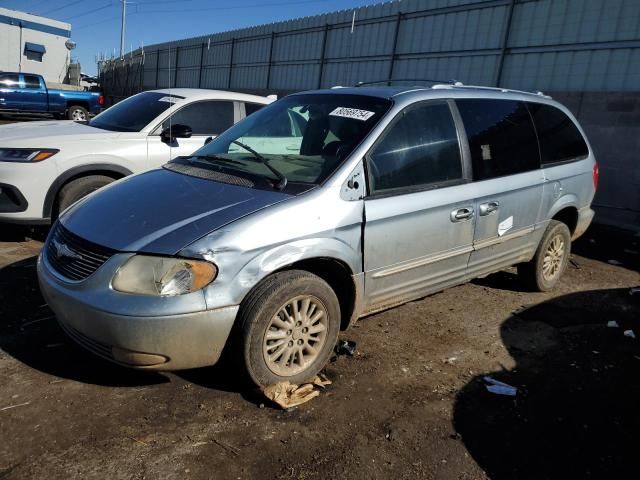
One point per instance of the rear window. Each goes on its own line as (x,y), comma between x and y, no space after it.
(501,136)
(560,139)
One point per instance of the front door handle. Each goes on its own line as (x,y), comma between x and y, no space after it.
(462,214)
(489,207)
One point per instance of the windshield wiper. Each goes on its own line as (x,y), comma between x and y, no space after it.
(217,158)
(282,180)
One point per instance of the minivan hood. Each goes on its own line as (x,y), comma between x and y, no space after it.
(161,212)
(40,131)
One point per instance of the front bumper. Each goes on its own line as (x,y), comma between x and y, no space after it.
(174,341)
(25,186)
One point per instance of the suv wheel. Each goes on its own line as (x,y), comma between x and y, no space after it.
(78,188)
(551,259)
(290,324)
(78,113)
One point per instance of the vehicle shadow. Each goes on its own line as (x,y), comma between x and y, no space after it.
(609,244)
(30,334)
(19,233)
(502,280)
(575,414)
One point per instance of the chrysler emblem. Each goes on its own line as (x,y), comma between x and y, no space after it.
(63,251)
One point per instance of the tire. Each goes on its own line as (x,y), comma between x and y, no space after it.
(78,188)
(275,297)
(543,272)
(77,113)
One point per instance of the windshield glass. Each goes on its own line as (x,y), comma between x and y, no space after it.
(302,137)
(134,113)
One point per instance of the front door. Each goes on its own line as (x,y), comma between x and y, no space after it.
(206,119)
(508,182)
(34,94)
(10,91)
(419,214)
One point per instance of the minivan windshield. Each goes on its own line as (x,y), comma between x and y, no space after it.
(134,113)
(302,138)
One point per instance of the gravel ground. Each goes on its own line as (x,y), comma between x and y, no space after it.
(411,404)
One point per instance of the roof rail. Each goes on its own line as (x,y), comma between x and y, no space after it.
(396,80)
(494,89)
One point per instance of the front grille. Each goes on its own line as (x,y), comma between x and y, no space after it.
(89,343)
(73,257)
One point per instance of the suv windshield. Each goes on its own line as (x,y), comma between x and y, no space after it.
(134,113)
(302,137)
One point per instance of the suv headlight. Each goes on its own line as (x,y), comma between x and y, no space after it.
(163,276)
(26,155)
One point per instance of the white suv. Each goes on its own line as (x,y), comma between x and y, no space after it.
(46,166)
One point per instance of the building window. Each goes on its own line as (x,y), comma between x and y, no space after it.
(34,51)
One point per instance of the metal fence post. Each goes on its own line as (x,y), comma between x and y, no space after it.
(233,43)
(273,37)
(322,54)
(175,73)
(201,65)
(394,48)
(157,67)
(505,42)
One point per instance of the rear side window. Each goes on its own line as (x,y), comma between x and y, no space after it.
(560,139)
(204,118)
(421,148)
(252,108)
(31,81)
(501,136)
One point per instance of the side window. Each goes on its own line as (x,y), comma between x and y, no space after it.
(204,118)
(560,140)
(252,108)
(31,81)
(421,148)
(501,137)
(9,80)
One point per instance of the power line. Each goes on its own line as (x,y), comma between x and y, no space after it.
(90,11)
(61,8)
(235,7)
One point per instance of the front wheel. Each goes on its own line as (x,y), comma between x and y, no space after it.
(78,188)
(289,324)
(78,113)
(543,272)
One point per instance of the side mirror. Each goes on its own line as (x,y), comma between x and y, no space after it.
(169,134)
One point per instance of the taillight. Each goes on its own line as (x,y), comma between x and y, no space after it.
(596,175)
(100,100)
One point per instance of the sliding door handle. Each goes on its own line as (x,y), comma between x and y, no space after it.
(489,207)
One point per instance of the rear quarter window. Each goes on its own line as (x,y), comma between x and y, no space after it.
(502,139)
(560,140)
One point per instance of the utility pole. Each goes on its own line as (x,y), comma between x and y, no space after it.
(124,15)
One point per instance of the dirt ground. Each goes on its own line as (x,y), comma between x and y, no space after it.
(411,404)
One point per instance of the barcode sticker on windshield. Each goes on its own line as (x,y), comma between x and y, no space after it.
(168,99)
(355,113)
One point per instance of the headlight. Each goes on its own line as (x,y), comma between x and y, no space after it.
(25,155)
(148,275)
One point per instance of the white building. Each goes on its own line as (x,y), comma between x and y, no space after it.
(33,44)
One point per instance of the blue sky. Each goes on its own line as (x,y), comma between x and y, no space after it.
(95,24)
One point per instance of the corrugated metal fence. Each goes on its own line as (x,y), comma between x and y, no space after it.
(552,45)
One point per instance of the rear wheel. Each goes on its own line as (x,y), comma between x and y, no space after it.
(543,272)
(289,324)
(78,188)
(77,113)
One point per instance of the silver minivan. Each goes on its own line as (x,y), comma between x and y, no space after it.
(321,208)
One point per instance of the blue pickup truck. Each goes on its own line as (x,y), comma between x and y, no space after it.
(27,93)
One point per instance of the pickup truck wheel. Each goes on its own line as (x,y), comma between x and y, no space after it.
(543,272)
(78,188)
(289,326)
(78,113)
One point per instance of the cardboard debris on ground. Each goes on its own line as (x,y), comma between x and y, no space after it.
(289,395)
(500,388)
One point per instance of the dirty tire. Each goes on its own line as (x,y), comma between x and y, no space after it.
(78,113)
(258,312)
(543,272)
(76,189)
